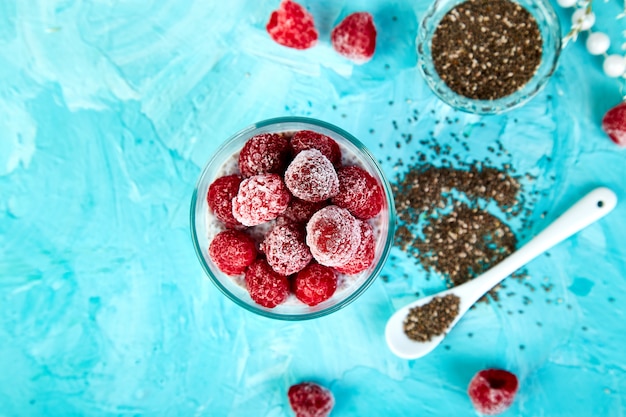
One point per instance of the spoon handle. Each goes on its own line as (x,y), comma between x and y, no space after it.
(586,211)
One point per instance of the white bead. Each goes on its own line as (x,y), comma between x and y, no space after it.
(566,3)
(586,21)
(614,65)
(598,43)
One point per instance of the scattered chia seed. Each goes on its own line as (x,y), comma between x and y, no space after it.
(431,319)
(487,49)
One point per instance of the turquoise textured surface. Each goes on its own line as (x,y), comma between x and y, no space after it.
(108,112)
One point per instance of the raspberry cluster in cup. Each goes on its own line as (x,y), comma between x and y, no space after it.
(295,217)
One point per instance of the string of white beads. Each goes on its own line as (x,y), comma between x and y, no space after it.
(583,18)
(598,43)
(614,65)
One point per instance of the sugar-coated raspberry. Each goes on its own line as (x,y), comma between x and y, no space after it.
(266,286)
(315,283)
(492,391)
(307,139)
(364,255)
(300,211)
(285,249)
(355,37)
(261,198)
(614,124)
(359,192)
(232,251)
(220,199)
(292,26)
(308,399)
(267,153)
(311,176)
(333,235)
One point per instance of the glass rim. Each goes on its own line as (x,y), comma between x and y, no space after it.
(389,238)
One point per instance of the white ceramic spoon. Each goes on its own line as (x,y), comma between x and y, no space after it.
(589,209)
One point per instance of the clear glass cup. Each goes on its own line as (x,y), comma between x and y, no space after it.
(550,29)
(292,309)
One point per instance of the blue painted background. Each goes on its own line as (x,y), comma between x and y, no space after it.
(108,111)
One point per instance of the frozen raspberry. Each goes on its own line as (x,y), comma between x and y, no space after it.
(359,192)
(292,26)
(261,198)
(300,211)
(355,37)
(267,153)
(285,249)
(492,391)
(307,139)
(315,283)
(333,235)
(364,255)
(220,199)
(311,176)
(614,124)
(308,399)
(232,251)
(266,286)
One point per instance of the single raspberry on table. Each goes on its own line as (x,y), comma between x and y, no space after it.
(315,283)
(311,176)
(300,211)
(492,391)
(333,235)
(308,399)
(292,26)
(614,124)
(364,255)
(307,139)
(355,37)
(261,198)
(267,153)
(285,249)
(359,192)
(232,251)
(266,286)
(220,198)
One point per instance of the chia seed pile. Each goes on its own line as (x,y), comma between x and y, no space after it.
(455,238)
(487,49)
(431,319)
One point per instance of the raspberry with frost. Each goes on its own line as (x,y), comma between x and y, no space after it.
(359,192)
(220,198)
(307,139)
(614,124)
(364,255)
(267,153)
(314,284)
(266,286)
(355,37)
(285,249)
(261,198)
(232,251)
(300,211)
(492,391)
(311,176)
(308,399)
(333,235)
(292,26)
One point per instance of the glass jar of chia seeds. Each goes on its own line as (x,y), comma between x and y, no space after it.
(488,56)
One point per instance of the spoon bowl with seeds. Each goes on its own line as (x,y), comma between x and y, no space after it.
(418,328)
